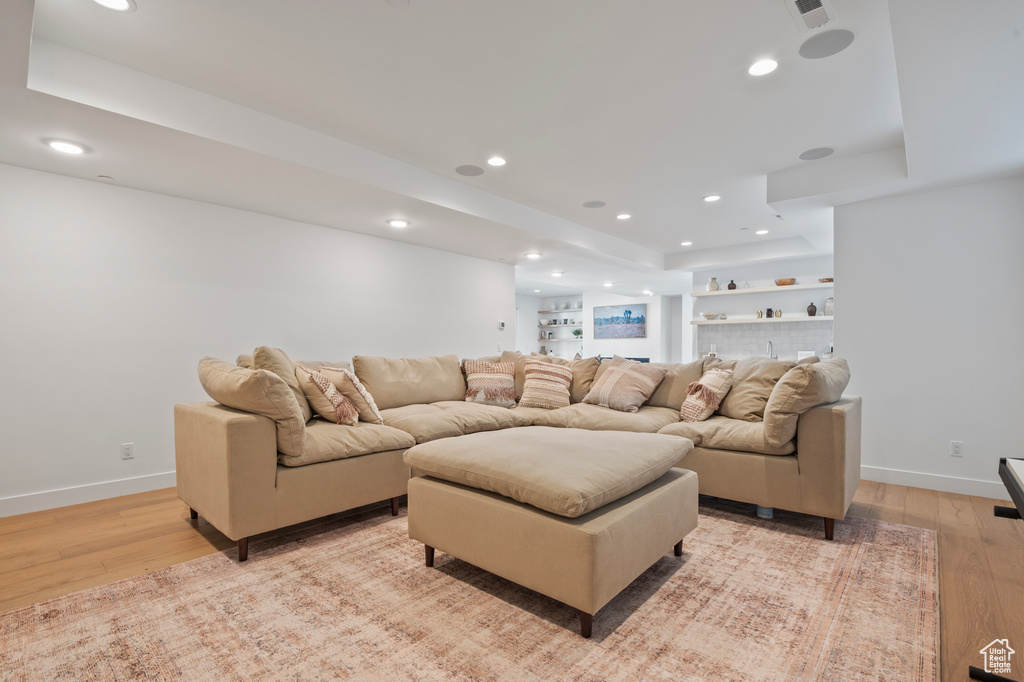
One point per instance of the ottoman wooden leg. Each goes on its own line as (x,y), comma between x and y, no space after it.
(830,527)
(394,506)
(193,514)
(243,549)
(678,549)
(428,552)
(586,624)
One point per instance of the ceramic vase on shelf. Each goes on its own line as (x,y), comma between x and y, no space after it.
(829,304)
(712,284)
(732,285)
(812,310)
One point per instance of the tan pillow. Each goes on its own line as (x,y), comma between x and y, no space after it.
(395,382)
(348,383)
(625,384)
(244,360)
(260,392)
(803,387)
(547,385)
(327,400)
(277,361)
(705,395)
(671,392)
(753,379)
(491,383)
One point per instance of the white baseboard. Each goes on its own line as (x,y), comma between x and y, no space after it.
(947,484)
(51,499)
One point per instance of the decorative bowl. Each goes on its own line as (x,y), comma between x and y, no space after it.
(709,316)
(785,281)
(826,280)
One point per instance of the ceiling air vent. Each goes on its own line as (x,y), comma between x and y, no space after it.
(810,14)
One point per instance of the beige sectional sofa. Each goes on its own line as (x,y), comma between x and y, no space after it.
(259,459)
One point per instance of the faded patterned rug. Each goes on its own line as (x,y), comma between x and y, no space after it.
(749,600)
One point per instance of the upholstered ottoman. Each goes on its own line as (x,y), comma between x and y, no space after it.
(575,515)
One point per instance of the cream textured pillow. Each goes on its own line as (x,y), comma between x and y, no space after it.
(547,385)
(260,392)
(327,400)
(348,383)
(491,383)
(625,385)
(705,395)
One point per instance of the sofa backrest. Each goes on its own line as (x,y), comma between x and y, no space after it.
(671,392)
(395,382)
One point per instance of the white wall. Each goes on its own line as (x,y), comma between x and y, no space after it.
(527,334)
(110,296)
(657,344)
(928,313)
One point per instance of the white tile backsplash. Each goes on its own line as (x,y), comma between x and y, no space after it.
(743,340)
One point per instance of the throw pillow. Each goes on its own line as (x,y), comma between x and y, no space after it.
(348,383)
(491,383)
(277,361)
(327,400)
(705,395)
(546,385)
(753,379)
(625,385)
(803,387)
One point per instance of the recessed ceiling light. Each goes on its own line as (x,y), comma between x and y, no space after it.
(762,67)
(623,216)
(118,5)
(712,197)
(594,204)
(496,161)
(556,274)
(533,255)
(816,153)
(686,244)
(608,284)
(398,223)
(647,292)
(66,147)
(536,291)
(761,232)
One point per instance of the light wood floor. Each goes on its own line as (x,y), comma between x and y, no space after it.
(981,557)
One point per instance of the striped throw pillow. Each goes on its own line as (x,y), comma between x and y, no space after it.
(625,385)
(547,385)
(491,383)
(705,395)
(327,400)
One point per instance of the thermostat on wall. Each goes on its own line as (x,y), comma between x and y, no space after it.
(501,326)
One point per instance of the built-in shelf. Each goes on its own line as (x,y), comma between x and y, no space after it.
(573,338)
(561,325)
(765,320)
(762,290)
(563,310)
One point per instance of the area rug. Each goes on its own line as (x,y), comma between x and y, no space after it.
(748,600)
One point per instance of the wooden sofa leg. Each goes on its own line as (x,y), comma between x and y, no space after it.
(243,549)
(678,549)
(428,553)
(830,526)
(193,514)
(586,624)
(394,506)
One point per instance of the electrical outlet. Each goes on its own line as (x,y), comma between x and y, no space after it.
(956,448)
(127,450)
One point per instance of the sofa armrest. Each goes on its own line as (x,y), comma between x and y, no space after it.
(828,456)
(226,464)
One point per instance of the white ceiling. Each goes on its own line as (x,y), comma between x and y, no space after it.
(344,114)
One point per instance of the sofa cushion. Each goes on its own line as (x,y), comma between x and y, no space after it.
(583,371)
(561,471)
(277,361)
(547,385)
(395,382)
(425,422)
(317,364)
(244,360)
(326,442)
(625,384)
(348,383)
(474,417)
(326,400)
(800,389)
(671,392)
(596,418)
(722,433)
(260,392)
(490,383)
(753,379)
(705,395)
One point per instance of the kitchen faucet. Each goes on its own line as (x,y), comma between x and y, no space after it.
(769,349)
